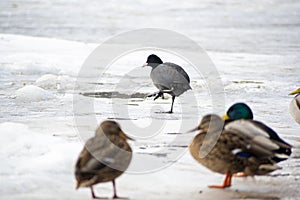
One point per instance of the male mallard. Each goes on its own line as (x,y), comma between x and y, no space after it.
(104,157)
(244,146)
(295,105)
(243,111)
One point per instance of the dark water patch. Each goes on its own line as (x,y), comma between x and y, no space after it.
(120,118)
(133,104)
(174,133)
(279,175)
(114,95)
(164,145)
(177,146)
(136,100)
(97,83)
(160,155)
(247,82)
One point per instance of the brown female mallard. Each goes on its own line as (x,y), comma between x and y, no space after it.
(295,105)
(238,146)
(104,157)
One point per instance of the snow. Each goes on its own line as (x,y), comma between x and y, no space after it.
(59,82)
(45,118)
(31,93)
(40,166)
(32,161)
(27,55)
(41,141)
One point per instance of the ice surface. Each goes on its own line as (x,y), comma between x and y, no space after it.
(40,142)
(254,45)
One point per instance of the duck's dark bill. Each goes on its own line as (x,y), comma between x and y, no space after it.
(124,136)
(193,130)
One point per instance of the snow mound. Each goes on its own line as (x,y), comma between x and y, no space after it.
(52,81)
(31,158)
(32,93)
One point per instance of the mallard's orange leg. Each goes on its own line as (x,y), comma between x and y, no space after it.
(240,174)
(226,183)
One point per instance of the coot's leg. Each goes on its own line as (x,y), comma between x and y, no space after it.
(153,94)
(158,95)
(173,98)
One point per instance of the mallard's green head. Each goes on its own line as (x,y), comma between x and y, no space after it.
(238,111)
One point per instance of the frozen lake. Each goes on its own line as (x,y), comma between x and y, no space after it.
(254,46)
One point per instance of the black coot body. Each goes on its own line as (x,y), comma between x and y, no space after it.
(168,78)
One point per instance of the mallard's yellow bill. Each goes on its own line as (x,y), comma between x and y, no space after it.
(295,92)
(225,117)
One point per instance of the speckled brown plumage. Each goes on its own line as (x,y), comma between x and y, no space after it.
(104,157)
(243,146)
